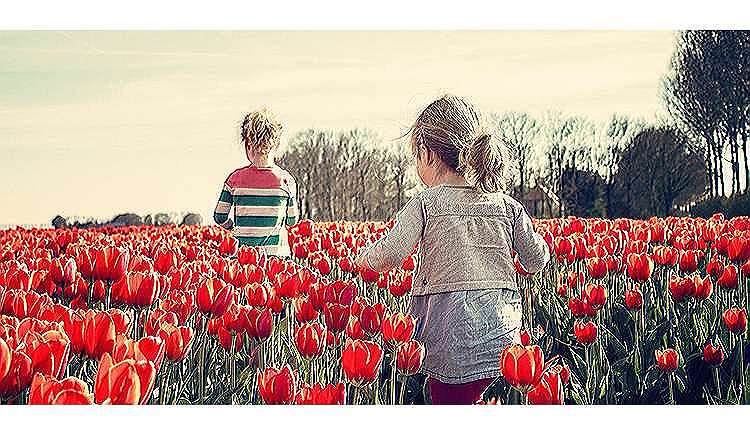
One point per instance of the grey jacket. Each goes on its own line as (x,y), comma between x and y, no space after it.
(464,241)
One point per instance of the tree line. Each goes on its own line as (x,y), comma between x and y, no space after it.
(695,158)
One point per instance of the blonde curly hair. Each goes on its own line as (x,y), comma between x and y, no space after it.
(261,131)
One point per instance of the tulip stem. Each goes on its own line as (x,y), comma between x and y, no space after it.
(202,367)
(393,378)
(717,382)
(742,369)
(163,384)
(402,392)
(589,374)
(232,368)
(357,394)
(108,297)
(671,388)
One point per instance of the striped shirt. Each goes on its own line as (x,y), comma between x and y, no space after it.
(264,202)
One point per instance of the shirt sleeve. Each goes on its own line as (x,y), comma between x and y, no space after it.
(293,212)
(224,205)
(533,252)
(389,251)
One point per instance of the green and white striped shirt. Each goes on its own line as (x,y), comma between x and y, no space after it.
(264,202)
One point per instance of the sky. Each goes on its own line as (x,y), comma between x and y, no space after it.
(96,123)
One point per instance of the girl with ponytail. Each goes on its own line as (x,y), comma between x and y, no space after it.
(466,229)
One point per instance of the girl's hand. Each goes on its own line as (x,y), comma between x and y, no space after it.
(229,224)
(360,261)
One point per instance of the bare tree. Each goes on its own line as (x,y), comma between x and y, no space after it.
(347,175)
(519,130)
(707,92)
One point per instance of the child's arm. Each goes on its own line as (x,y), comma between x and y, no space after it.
(533,252)
(292,215)
(223,207)
(389,251)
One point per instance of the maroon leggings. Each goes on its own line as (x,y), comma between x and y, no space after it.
(457,394)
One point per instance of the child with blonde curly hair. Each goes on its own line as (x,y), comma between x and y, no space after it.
(261,195)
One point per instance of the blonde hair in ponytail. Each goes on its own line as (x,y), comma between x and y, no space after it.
(487,163)
(453,128)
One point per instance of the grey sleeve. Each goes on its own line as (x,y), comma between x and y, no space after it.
(389,251)
(533,252)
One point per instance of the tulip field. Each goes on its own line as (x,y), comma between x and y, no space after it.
(626,312)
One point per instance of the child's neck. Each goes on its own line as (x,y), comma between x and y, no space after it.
(262,162)
(451,180)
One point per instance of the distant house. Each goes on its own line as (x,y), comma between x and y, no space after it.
(540,201)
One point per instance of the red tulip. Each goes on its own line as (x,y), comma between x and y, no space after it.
(304,311)
(354,329)
(277,387)
(728,277)
(579,308)
(146,349)
(251,255)
(596,267)
(688,261)
(97,334)
(340,292)
(738,249)
(703,287)
(575,279)
(585,332)
(522,366)
(713,355)
(333,394)
(225,336)
(633,299)
(549,391)
(371,318)
(228,246)
(109,263)
(665,255)
(137,288)
(63,272)
(177,340)
(735,320)
(128,382)
(165,260)
(6,357)
(596,295)
(398,328)
(310,340)
(18,376)
(525,337)
(714,267)
(640,266)
(368,275)
(258,323)
(48,351)
(681,288)
(336,316)
(257,294)
(322,264)
(667,360)
(152,325)
(408,263)
(409,357)
(214,297)
(49,391)
(361,360)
